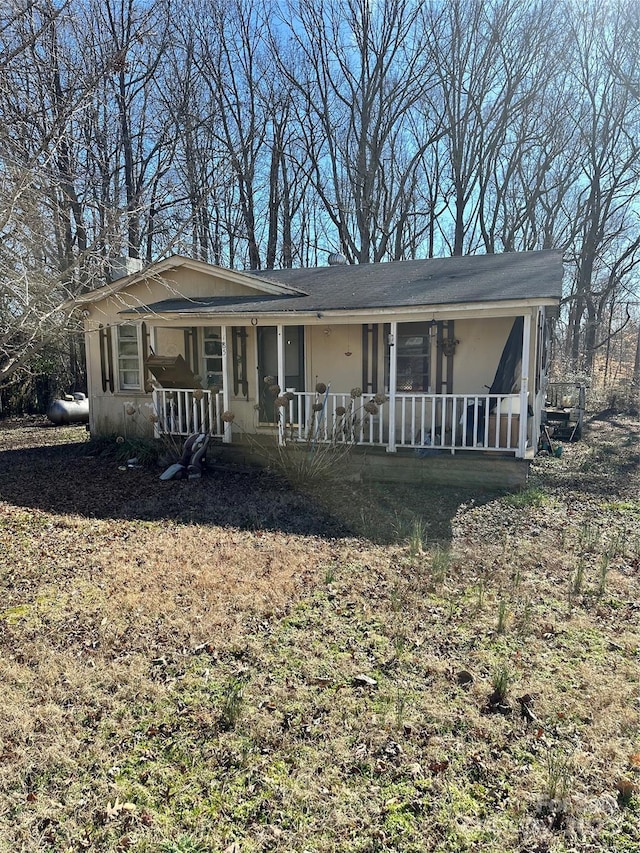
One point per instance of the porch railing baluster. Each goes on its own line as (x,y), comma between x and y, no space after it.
(195,415)
(180,420)
(205,423)
(413,437)
(210,407)
(403,426)
(463,421)
(509,421)
(454,422)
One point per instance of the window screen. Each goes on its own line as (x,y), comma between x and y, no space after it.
(414,356)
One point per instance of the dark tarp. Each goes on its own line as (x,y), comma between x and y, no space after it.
(507,378)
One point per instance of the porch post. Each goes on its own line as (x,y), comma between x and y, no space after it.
(157,398)
(393,369)
(524,385)
(281,380)
(226,396)
(540,379)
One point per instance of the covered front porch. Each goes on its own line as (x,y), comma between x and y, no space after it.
(255,378)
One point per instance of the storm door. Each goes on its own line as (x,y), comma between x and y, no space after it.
(268,365)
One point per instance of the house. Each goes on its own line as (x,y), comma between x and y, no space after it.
(419,358)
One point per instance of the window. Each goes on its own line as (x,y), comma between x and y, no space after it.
(213,357)
(414,356)
(128,357)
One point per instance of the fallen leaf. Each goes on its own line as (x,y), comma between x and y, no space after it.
(626,789)
(362,680)
(113,809)
(526,710)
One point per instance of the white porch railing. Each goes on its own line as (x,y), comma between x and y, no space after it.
(425,422)
(183,411)
(341,419)
(453,421)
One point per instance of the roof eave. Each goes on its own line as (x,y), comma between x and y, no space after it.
(315,314)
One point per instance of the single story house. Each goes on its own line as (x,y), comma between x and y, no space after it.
(439,356)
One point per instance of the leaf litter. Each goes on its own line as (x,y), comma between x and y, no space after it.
(237,665)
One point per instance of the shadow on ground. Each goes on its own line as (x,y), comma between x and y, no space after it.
(63,479)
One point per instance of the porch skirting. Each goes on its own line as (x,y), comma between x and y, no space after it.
(465,469)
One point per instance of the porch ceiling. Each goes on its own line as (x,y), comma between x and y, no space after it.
(454,281)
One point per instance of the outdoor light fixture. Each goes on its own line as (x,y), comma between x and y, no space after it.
(449,346)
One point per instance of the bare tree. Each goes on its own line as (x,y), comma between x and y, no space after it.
(44,250)
(358,70)
(606,247)
(229,43)
(129,39)
(60,187)
(493,64)
(257,135)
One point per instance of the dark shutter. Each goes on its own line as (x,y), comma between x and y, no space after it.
(106,358)
(370,358)
(239,359)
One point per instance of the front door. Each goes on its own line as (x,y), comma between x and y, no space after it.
(268,365)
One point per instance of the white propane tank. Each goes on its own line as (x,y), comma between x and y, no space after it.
(74,409)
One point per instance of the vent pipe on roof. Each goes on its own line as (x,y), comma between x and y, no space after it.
(336,259)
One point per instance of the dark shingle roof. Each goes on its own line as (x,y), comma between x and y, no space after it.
(439,281)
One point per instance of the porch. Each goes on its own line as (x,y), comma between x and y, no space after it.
(428,424)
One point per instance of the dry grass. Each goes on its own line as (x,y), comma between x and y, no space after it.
(229,665)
